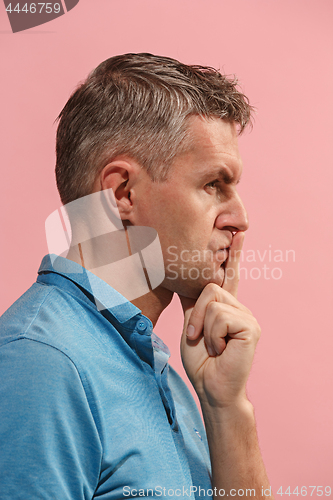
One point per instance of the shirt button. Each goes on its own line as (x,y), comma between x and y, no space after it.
(141,326)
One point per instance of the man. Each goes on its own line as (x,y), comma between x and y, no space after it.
(89,405)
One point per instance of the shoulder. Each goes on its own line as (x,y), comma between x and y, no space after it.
(31,368)
(53,316)
(47,426)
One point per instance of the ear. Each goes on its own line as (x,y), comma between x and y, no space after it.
(120,176)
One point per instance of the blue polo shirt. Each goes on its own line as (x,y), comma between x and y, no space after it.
(89,406)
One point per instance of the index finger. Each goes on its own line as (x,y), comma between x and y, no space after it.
(231,271)
(196,316)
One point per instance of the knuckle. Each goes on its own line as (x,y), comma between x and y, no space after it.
(256,331)
(212,288)
(213,306)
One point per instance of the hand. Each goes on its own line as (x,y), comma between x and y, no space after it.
(219,338)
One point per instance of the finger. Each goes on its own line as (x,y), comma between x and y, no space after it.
(215,344)
(187,305)
(231,273)
(220,320)
(240,327)
(219,333)
(211,293)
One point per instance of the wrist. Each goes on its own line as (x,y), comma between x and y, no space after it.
(240,409)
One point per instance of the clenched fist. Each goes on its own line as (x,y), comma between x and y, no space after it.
(219,338)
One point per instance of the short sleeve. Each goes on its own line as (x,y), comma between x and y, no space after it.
(49,444)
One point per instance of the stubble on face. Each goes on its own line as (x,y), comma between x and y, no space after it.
(185,208)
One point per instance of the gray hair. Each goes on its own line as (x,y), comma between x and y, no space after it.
(137,105)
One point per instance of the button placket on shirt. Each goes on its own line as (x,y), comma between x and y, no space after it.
(161,356)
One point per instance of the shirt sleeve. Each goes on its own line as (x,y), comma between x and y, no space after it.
(49,444)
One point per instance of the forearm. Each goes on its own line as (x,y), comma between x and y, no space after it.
(236,459)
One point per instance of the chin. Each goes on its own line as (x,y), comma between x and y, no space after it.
(192,288)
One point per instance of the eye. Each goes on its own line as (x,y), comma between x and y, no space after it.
(212,184)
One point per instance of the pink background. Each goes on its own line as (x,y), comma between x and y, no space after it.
(282,52)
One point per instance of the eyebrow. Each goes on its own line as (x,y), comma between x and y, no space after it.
(223,174)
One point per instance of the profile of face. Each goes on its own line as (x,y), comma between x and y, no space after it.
(197,209)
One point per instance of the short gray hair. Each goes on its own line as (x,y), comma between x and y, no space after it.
(137,105)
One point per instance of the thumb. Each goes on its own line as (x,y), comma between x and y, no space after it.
(187,305)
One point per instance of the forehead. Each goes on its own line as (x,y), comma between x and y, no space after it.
(213,148)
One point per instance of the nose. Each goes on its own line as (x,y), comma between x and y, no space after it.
(233,215)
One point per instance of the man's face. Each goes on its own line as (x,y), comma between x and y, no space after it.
(196,211)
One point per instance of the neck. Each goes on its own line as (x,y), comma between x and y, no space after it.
(153,303)
(127,281)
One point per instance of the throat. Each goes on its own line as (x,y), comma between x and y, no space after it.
(153,303)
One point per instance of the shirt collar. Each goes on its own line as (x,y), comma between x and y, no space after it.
(104,295)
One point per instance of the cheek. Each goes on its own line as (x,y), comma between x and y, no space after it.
(180,219)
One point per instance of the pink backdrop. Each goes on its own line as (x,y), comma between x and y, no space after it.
(282,52)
